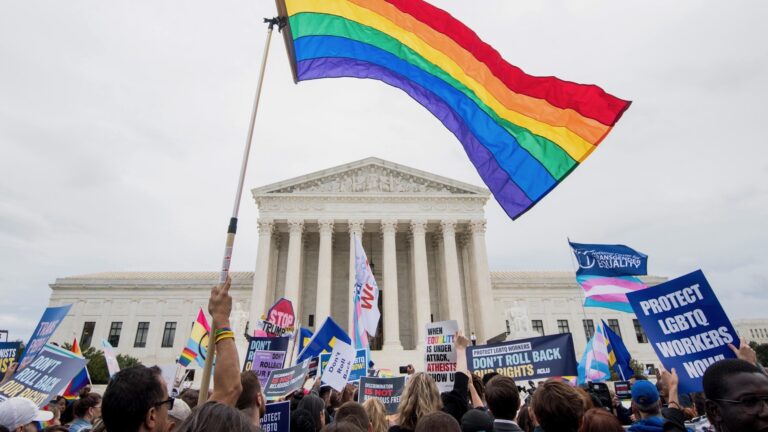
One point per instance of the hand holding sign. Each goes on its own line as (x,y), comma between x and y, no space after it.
(744,352)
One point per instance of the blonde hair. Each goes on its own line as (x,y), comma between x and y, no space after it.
(377,413)
(420,398)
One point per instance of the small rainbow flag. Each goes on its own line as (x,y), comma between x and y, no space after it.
(197,342)
(80,380)
(524,134)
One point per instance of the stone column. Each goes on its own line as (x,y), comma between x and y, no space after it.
(355,229)
(293,268)
(261,275)
(483,294)
(323,301)
(391,305)
(451,268)
(421,300)
(468,282)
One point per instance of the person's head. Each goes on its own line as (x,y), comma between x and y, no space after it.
(178,414)
(88,407)
(437,421)
(343,426)
(215,417)
(476,420)
(524,419)
(736,393)
(251,396)
(302,421)
(489,376)
(377,413)
(348,393)
(190,396)
(61,401)
(325,394)
(557,407)
(600,420)
(53,407)
(315,406)
(420,397)
(502,397)
(645,398)
(136,399)
(18,412)
(354,413)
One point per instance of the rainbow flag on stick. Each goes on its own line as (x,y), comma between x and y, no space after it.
(524,134)
(80,380)
(197,342)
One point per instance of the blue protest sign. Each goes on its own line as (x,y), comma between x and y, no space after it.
(359,367)
(686,325)
(609,260)
(9,352)
(525,359)
(48,324)
(277,417)
(44,377)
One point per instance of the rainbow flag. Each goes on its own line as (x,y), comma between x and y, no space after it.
(524,134)
(594,362)
(609,292)
(197,342)
(80,380)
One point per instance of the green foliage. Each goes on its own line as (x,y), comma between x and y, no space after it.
(762,352)
(126,361)
(635,365)
(97,364)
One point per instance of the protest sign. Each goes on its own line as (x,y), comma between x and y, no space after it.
(277,417)
(9,352)
(439,356)
(314,366)
(609,260)
(279,320)
(359,366)
(269,355)
(336,372)
(525,359)
(284,381)
(48,324)
(686,325)
(387,390)
(44,377)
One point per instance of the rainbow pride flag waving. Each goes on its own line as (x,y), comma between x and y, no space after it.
(524,134)
(80,380)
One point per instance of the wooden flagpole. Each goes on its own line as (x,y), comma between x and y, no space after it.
(232,229)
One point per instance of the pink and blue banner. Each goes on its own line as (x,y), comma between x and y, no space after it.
(609,292)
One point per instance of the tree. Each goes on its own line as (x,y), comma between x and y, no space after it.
(97,364)
(762,352)
(636,366)
(126,361)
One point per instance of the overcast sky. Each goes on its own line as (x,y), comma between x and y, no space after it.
(122,126)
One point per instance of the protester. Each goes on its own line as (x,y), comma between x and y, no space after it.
(251,401)
(316,407)
(377,413)
(600,420)
(86,410)
(17,413)
(214,416)
(420,397)
(178,414)
(354,413)
(136,400)
(647,402)
(302,421)
(524,420)
(557,407)
(736,392)
(479,388)
(437,421)
(477,420)
(190,396)
(503,399)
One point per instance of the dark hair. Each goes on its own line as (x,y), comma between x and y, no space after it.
(600,420)
(343,426)
(476,420)
(479,385)
(487,377)
(354,413)
(215,417)
(54,428)
(4,429)
(251,390)
(314,405)
(557,407)
(303,421)
(85,403)
(502,397)
(716,376)
(524,419)
(190,396)
(437,421)
(131,393)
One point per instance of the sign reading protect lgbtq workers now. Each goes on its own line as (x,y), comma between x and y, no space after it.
(687,326)
(525,359)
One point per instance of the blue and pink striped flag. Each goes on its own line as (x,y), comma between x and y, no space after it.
(366,314)
(594,365)
(609,292)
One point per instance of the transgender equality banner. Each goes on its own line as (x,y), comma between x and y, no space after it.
(609,260)
(525,359)
(686,325)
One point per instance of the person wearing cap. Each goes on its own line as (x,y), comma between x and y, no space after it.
(647,402)
(178,414)
(16,413)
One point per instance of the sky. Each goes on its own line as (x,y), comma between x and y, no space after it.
(122,126)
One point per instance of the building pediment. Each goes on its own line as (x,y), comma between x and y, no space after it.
(370,176)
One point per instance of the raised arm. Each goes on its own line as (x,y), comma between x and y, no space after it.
(226,376)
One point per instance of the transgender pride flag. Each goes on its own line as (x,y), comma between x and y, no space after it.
(609,292)
(594,362)
(366,313)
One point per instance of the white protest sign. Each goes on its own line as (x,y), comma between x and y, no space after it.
(336,373)
(440,356)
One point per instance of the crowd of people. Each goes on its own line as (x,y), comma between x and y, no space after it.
(137,399)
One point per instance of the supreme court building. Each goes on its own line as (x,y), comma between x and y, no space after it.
(425,237)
